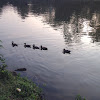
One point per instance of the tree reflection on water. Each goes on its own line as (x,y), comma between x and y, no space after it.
(73,18)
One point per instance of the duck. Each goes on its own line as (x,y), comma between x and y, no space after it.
(14,44)
(66,51)
(26,45)
(35,47)
(43,48)
(21,69)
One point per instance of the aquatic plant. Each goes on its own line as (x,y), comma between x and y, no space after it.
(78,97)
(3,72)
(2,60)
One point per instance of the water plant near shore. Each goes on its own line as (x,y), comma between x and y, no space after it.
(78,97)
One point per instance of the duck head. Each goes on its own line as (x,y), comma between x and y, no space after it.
(41,47)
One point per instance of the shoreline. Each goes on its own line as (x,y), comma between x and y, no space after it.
(14,87)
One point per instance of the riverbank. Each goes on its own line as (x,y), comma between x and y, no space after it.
(14,87)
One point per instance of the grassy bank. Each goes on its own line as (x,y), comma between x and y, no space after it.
(14,87)
(17,88)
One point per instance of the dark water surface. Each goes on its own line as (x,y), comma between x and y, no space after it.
(57,25)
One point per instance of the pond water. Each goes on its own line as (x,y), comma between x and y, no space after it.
(56,25)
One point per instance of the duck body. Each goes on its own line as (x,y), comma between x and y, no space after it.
(66,51)
(44,48)
(26,45)
(35,47)
(14,44)
(21,69)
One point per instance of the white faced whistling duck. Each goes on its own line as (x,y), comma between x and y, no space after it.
(66,51)
(14,44)
(35,47)
(44,48)
(26,45)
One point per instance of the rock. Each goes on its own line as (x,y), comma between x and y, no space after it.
(18,89)
(21,69)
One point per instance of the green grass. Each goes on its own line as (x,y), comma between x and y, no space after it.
(10,83)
